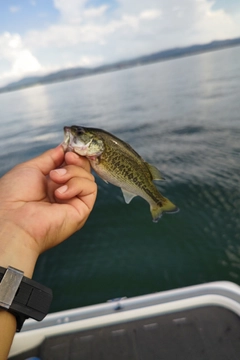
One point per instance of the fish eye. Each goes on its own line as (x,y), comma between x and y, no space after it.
(79,131)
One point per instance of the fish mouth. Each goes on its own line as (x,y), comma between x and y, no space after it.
(67,139)
(71,143)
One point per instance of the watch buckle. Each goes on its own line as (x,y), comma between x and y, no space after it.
(9,286)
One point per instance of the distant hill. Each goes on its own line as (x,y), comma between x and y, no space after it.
(77,72)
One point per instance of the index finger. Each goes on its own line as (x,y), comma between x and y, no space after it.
(73,159)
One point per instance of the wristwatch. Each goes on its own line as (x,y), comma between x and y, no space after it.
(23,297)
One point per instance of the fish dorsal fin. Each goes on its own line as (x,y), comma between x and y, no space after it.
(156,175)
(128,196)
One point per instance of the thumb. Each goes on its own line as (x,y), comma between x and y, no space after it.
(49,160)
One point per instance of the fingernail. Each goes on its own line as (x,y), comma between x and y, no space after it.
(62,189)
(61,171)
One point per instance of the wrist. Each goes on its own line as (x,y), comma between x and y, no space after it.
(15,250)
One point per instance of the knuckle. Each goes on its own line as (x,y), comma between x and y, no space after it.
(92,178)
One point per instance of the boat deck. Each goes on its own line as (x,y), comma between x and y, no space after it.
(204,333)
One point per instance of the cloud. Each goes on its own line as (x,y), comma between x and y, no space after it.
(87,61)
(94,12)
(214,24)
(14,9)
(25,62)
(20,60)
(150,14)
(87,35)
(160,23)
(71,11)
(87,26)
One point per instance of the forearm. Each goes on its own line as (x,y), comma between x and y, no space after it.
(13,252)
(7,332)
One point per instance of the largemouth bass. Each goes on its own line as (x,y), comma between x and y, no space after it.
(118,163)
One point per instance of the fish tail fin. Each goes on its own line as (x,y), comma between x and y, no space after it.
(166,207)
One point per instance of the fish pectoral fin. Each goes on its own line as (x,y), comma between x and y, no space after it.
(128,196)
(156,175)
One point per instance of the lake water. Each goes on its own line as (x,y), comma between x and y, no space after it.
(181,115)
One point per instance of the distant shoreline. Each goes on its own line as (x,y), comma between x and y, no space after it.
(78,72)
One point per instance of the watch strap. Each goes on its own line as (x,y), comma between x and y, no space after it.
(31,299)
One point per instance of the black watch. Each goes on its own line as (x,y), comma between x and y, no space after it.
(23,297)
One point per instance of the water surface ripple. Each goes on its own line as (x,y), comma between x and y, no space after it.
(180,115)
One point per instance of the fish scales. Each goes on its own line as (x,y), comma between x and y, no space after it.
(124,167)
(118,163)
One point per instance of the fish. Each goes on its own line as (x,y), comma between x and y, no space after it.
(116,162)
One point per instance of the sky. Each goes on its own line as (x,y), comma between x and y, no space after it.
(42,36)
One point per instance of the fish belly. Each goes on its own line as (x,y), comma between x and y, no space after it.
(138,185)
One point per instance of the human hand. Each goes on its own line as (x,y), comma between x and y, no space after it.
(42,202)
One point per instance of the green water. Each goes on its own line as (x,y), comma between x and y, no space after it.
(180,115)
